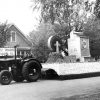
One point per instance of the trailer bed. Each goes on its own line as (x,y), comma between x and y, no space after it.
(73,68)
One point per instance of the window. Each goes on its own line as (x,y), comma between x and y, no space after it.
(12,37)
(13,33)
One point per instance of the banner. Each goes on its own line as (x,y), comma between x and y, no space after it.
(85,51)
(7,52)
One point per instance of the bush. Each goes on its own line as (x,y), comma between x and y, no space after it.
(41,51)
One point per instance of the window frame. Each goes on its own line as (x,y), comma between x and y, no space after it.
(11,38)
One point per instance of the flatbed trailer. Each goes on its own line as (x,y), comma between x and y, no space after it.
(66,69)
(76,46)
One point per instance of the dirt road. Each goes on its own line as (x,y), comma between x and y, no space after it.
(50,89)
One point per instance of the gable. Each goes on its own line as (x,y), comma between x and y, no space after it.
(21,40)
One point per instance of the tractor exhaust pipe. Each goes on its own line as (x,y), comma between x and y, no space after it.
(15,51)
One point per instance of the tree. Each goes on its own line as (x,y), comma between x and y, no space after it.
(97,9)
(41,51)
(66,14)
(43,32)
(69,13)
(93,31)
(4,34)
(39,39)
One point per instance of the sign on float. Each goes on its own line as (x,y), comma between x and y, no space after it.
(7,51)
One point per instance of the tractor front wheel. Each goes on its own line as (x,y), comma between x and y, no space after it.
(5,77)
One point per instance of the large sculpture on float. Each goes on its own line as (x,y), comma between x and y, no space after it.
(58,44)
(78,45)
(55,43)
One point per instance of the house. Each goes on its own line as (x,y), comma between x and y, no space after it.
(17,38)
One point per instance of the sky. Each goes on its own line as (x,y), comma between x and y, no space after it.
(19,12)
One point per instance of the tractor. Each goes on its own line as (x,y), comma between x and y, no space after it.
(19,69)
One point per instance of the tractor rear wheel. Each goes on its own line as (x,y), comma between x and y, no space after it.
(31,70)
(5,77)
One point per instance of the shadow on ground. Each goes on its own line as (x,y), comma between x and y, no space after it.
(69,77)
(78,76)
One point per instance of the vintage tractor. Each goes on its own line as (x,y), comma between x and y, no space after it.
(19,69)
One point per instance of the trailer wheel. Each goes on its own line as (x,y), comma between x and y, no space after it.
(5,77)
(31,70)
(51,74)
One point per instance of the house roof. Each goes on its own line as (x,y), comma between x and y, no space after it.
(20,33)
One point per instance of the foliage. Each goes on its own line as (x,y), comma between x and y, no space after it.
(97,9)
(43,32)
(39,39)
(4,34)
(41,51)
(71,13)
(66,14)
(61,29)
(92,30)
